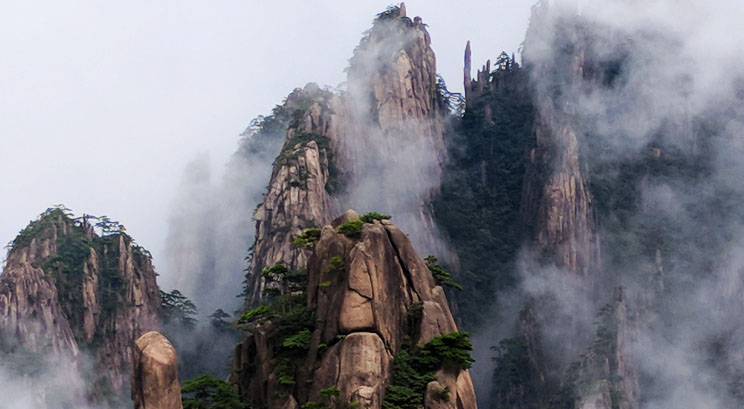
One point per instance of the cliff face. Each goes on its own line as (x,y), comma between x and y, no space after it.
(394,136)
(557,204)
(386,130)
(371,297)
(300,189)
(605,378)
(65,292)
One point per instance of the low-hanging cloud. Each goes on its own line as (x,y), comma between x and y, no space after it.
(675,96)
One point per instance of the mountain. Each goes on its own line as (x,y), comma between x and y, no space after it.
(377,146)
(76,300)
(584,202)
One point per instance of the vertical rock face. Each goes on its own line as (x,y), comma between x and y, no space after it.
(155,374)
(299,194)
(386,130)
(65,290)
(395,134)
(371,293)
(557,204)
(606,377)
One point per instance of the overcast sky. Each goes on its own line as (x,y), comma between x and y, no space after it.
(103,103)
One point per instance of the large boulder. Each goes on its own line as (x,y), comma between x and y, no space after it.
(155,378)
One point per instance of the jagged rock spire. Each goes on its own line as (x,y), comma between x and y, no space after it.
(468,79)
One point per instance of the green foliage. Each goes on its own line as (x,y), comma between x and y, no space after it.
(207,392)
(478,207)
(408,385)
(337,266)
(449,101)
(450,351)
(255,314)
(76,243)
(308,238)
(514,380)
(411,373)
(277,271)
(441,275)
(331,400)
(444,394)
(300,340)
(370,217)
(50,217)
(66,266)
(280,280)
(285,371)
(176,308)
(351,228)
(218,320)
(391,12)
(330,392)
(288,320)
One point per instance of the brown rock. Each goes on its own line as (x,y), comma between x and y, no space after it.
(359,366)
(155,377)
(45,320)
(390,106)
(382,293)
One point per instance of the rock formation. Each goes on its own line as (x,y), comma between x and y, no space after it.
(396,108)
(371,295)
(299,194)
(155,373)
(65,290)
(557,204)
(336,143)
(605,377)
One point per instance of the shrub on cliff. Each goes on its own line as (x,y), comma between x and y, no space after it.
(207,392)
(442,276)
(351,228)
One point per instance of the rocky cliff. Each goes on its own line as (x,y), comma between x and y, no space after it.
(337,142)
(301,186)
(557,203)
(605,377)
(553,366)
(69,294)
(370,302)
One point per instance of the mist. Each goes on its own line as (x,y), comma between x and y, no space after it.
(675,103)
(211,225)
(103,106)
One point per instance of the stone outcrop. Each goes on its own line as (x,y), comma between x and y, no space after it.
(65,289)
(371,293)
(155,382)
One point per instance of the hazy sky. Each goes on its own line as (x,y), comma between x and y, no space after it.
(103,103)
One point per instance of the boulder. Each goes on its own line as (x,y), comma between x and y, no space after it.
(155,382)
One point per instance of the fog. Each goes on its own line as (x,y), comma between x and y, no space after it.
(678,90)
(103,106)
